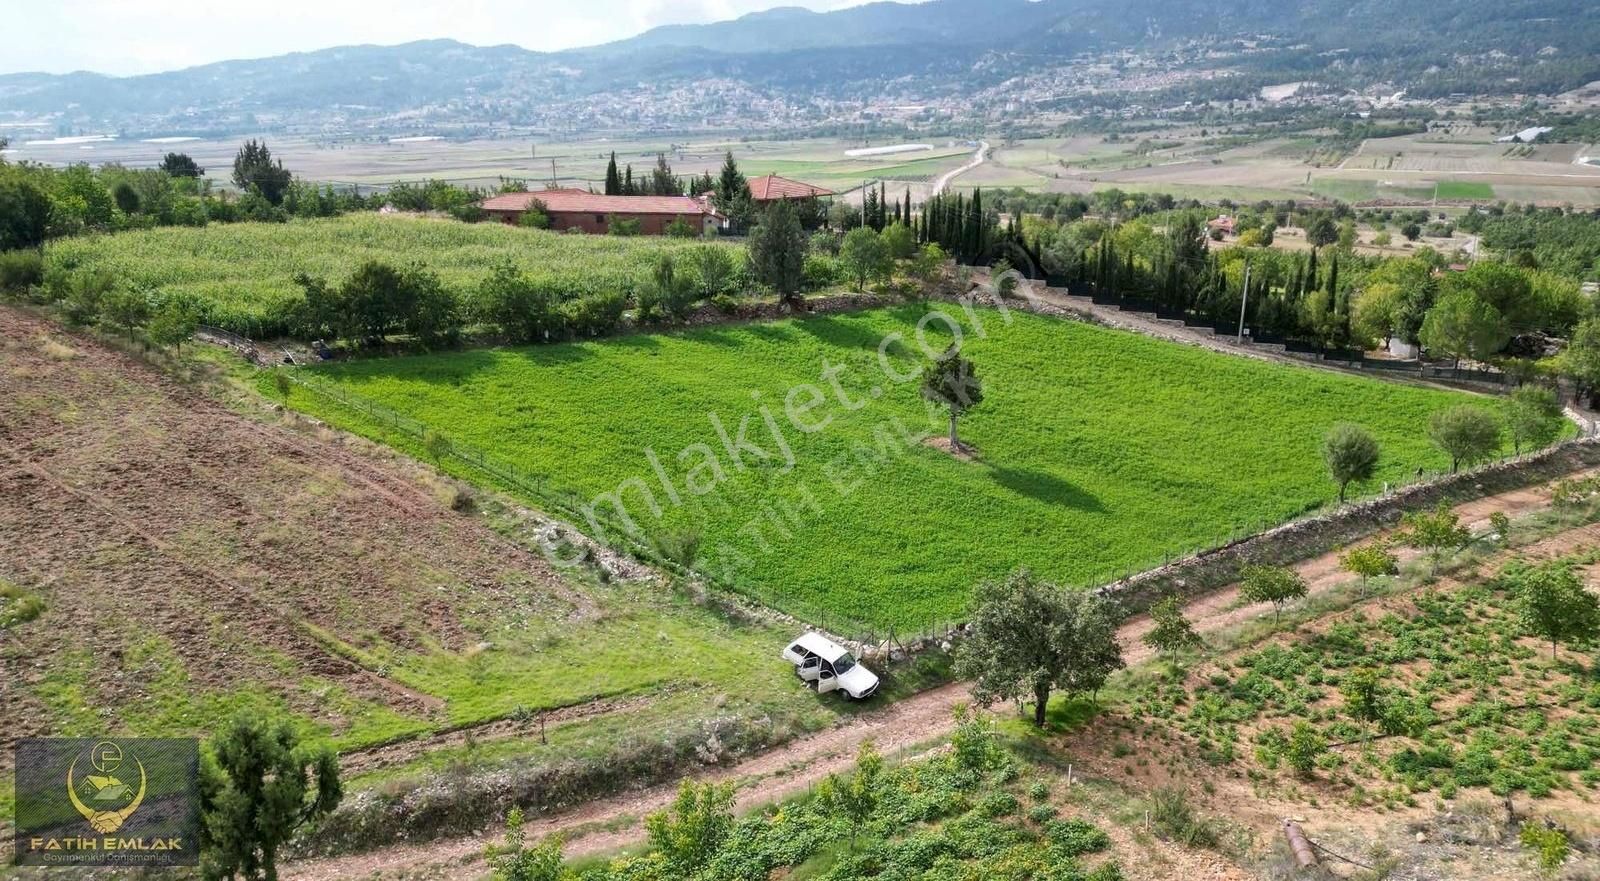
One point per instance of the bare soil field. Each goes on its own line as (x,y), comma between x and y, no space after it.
(194,562)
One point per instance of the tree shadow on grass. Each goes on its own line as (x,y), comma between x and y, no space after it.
(1046,488)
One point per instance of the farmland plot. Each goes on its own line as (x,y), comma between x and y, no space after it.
(1098,451)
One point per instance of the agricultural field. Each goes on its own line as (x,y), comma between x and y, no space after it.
(1099,451)
(230,564)
(246,271)
(378,162)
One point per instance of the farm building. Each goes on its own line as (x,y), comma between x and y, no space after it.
(771,188)
(575,209)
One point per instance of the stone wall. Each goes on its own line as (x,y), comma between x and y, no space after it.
(1302,539)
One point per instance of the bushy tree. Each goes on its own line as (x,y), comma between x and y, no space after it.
(1030,638)
(1363,699)
(181,165)
(126,307)
(865,256)
(25,212)
(1434,533)
(1533,418)
(687,835)
(1171,633)
(255,171)
(174,322)
(258,786)
(1461,326)
(516,861)
(1369,561)
(1305,746)
(1466,433)
(1272,584)
(712,267)
(508,300)
(1351,454)
(953,382)
(1552,602)
(776,252)
(856,797)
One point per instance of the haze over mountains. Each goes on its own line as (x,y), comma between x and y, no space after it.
(793,66)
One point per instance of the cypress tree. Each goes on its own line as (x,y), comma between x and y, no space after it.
(613,178)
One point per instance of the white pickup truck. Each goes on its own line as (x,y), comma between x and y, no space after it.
(826,666)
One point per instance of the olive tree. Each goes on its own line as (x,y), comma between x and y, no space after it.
(1369,561)
(1551,601)
(1030,638)
(1468,434)
(1351,454)
(953,382)
(1533,418)
(1171,632)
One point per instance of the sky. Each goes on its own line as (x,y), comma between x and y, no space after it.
(145,36)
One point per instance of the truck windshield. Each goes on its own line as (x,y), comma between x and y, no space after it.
(843,665)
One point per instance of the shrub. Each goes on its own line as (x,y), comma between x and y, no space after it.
(1549,845)
(1075,837)
(20,270)
(1174,818)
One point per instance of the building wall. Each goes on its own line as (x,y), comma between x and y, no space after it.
(598,224)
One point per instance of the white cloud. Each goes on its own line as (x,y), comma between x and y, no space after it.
(143,36)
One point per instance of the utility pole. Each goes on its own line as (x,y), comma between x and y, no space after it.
(1244,300)
(553,181)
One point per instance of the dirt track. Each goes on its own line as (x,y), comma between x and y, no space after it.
(789,769)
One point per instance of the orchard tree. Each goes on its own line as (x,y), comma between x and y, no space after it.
(1533,418)
(776,252)
(127,308)
(1369,561)
(1351,454)
(953,382)
(1552,602)
(1580,361)
(1030,638)
(1466,433)
(173,323)
(1172,633)
(865,256)
(856,797)
(1363,699)
(688,835)
(1434,533)
(1272,584)
(25,212)
(258,786)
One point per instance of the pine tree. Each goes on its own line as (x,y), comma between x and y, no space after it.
(613,177)
(731,185)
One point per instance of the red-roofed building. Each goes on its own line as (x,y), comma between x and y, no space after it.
(576,209)
(772,188)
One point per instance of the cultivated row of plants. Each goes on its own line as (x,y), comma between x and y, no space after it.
(1449,689)
(966,813)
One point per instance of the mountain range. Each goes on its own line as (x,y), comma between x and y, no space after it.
(793,63)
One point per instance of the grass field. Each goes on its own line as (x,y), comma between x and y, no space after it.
(1462,190)
(1100,450)
(247,270)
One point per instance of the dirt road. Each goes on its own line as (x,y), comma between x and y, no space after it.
(781,772)
(978,159)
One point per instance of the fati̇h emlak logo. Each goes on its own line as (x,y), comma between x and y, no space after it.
(119,801)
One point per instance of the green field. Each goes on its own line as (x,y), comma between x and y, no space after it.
(246,271)
(1456,189)
(1101,451)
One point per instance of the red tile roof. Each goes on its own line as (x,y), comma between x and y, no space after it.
(578,202)
(772,187)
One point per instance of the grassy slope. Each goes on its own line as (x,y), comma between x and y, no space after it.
(1101,450)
